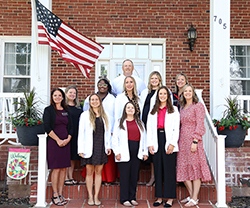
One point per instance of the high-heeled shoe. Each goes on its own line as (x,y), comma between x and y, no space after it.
(151,182)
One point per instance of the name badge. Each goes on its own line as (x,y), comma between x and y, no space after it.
(65,114)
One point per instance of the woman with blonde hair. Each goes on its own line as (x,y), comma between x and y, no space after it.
(129,94)
(94,145)
(180,81)
(75,110)
(192,166)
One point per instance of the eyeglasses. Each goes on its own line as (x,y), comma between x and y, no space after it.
(102,85)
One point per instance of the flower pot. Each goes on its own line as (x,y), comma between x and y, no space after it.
(235,137)
(27,135)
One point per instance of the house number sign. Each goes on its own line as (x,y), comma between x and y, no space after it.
(220,22)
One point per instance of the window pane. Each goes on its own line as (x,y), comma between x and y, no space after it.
(118,69)
(9,70)
(15,85)
(9,59)
(130,51)
(157,52)
(21,48)
(237,72)
(9,47)
(240,50)
(106,51)
(29,56)
(139,70)
(104,69)
(142,51)
(117,51)
(21,70)
(21,59)
(241,61)
(231,50)
(29,48)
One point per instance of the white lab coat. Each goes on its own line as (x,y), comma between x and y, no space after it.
(120,102)
(120,142)
(109,107)
(171,127)
(117,84)
(85,136)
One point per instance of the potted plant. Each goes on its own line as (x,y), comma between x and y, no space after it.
(28,119)
(234,123)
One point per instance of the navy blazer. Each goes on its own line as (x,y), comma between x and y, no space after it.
(49,119)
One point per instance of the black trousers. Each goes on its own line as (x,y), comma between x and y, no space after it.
(165,169)
(129,173)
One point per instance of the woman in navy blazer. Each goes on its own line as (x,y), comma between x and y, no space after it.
(58,126)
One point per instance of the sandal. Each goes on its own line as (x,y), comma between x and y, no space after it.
(74,182)
(68,182)
(59,203)
(191,203)
(185,200)
(63,201)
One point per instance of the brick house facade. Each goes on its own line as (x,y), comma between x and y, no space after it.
(131,19)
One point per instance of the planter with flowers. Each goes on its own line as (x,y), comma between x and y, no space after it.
(28,119)
(234,123)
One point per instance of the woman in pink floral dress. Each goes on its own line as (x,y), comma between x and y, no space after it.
(192,167)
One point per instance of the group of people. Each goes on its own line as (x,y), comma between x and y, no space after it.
(122,124)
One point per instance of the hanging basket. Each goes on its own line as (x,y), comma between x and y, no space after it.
(27,135)
(235,137)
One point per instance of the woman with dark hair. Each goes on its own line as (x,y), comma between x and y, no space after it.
(94,145)
(129,147)
(180,81)
(75,109)
(58,126)
(192,166)
(164,122)
(108,101)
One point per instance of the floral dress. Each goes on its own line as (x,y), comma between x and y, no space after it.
(192,165)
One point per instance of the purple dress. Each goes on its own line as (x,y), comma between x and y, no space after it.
(59,157)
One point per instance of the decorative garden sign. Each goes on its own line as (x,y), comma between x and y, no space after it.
(18,163)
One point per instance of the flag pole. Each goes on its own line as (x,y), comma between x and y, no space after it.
(35,38)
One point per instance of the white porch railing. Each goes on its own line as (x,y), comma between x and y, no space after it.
(214,146)
(6,110)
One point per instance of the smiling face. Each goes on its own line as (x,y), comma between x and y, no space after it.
(154,81)
(129,84)
(130,109)
(163,95)
(94,101)
(127,68)
(71,94)
(102,87)
(181,81)
(57,97)
(188,93)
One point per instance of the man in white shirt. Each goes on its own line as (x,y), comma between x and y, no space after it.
(117,83)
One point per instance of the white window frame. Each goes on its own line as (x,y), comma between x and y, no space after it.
(150,62)
(10,39)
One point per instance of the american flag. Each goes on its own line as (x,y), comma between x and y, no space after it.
(72,46)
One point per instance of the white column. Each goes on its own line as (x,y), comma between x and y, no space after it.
(219,55)
(42,171)
(40,61)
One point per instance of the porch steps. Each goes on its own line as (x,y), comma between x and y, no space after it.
(112,192)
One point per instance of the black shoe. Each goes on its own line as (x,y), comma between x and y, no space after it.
(157,204)
(167,205)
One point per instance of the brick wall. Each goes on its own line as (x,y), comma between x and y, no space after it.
(237,163)
(133,18)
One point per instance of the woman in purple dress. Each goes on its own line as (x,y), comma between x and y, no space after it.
(58,126)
